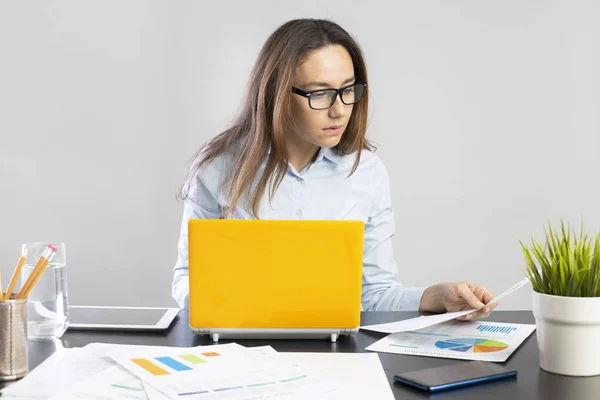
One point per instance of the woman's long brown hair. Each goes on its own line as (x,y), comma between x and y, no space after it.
(266,113)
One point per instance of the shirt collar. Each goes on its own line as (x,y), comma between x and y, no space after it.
(325,152)
(331,154)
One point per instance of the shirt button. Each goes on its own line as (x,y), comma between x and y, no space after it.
(299,179)
(298,212)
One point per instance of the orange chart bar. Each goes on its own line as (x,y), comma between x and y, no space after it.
(150,367)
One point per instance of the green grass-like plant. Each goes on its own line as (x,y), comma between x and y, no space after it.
(565,265)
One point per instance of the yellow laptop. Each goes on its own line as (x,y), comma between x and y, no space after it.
(275,278)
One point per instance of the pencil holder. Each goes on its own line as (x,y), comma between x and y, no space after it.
(13,339)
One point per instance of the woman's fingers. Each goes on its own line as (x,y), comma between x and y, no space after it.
(468,295)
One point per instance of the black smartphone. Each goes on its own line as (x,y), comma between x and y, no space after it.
(455,375)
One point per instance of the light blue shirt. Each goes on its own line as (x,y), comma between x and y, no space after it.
(321,191)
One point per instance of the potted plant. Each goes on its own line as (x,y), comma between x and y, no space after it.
(565,275)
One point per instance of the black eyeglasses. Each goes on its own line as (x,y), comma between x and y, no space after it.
(323,99)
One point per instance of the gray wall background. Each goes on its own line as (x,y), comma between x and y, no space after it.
(486,115)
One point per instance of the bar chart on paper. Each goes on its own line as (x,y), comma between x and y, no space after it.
(460,340)
(194,373)
(167,365)
(496,328)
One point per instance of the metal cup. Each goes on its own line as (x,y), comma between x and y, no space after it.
(13,339)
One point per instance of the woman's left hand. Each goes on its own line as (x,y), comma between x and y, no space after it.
(458,296)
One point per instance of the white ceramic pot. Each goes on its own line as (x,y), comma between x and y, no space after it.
(568,330)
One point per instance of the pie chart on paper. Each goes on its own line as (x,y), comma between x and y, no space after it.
(471,345)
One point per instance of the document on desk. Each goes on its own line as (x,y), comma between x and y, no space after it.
(111,384)
(56,374)
(349,375)
(425,321)
(89,373)
(220,372)
(358,375)
(483,341)
(115,382)
(63,370)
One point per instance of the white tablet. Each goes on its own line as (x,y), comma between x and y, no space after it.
(121,318)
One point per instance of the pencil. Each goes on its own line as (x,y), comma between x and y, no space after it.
(35,279)
(15,277)
(36,273)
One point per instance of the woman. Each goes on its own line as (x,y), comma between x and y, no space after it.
(298,150)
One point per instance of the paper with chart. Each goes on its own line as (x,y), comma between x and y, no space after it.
(484,341)
(424,321)
(88,373)
(357,375)
(65,369)
(219,372)
(106,380)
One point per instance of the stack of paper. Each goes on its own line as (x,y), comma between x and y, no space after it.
(441,336)
(483,341)
(226,371)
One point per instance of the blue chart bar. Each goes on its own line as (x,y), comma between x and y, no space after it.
(176,365)
(496,329)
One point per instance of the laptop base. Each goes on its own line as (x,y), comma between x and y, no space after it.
(274,333)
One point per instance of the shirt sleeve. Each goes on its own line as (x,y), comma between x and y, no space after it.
(200,203)
(382,289)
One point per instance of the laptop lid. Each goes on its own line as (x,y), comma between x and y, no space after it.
(275,273)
